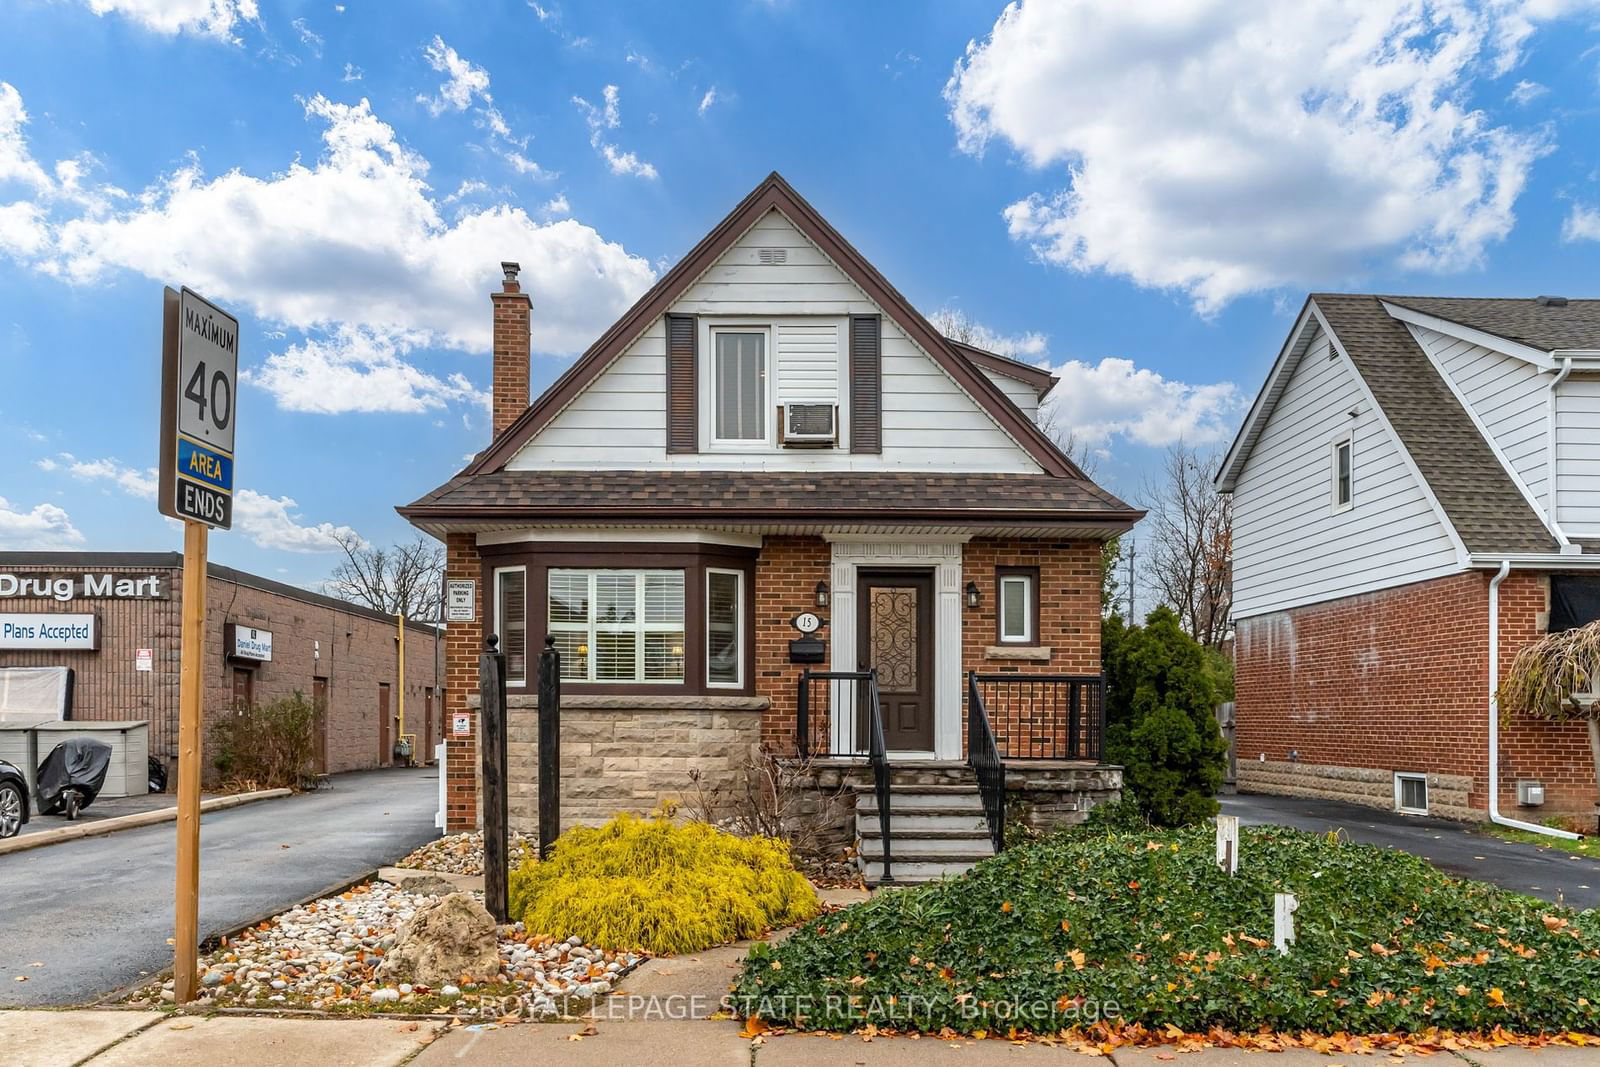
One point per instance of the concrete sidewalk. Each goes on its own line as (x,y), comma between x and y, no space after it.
(127,1039)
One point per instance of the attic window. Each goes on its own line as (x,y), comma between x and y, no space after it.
(1342,469)
(772,256)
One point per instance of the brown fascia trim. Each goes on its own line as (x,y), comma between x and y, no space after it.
(772,193)
(1038,379)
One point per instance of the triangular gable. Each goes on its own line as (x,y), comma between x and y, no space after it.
(774,193)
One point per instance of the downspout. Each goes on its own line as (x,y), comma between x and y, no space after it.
(1550,450)
(1494,718)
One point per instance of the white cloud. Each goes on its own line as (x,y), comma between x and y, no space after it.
(269,522)
(557,205)
(266,520)
(1582,224)
(1218,149)
(464,80)
(356,370)
(308,37)
(1114,398)
(134,482)
(207,18)
(44,527)
(355,240)
(707,100)
(957,324)
(1525,92)
(609,117)
(352,73)
(541,12)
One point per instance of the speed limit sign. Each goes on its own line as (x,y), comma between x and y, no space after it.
(199,386)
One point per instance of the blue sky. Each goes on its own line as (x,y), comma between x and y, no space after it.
(1136,194)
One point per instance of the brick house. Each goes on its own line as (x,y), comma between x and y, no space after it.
(772,431)
(1415,490)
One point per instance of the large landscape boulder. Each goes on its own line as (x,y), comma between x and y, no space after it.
(450,939)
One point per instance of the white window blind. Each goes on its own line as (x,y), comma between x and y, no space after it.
(739,383)
(1016,608)
(724,627)
(618,625)
(511,622)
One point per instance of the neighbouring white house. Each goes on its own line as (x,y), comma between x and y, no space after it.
(1415,490)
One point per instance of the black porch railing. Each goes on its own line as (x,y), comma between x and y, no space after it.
(983,756)
(838,714)
(1043,716)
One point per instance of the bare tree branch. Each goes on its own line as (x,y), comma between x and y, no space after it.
(1188,539)
(404,578)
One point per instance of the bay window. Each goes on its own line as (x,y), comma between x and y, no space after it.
(618,625)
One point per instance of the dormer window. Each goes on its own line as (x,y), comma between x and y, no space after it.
(1343,487)
(739,386)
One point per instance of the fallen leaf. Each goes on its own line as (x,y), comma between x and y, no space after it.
(754,1027)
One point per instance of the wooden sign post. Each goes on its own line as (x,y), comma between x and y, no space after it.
(1228,843)
(1284,905)
(199,381)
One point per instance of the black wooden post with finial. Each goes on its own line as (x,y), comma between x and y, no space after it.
(549,746)
(492,754)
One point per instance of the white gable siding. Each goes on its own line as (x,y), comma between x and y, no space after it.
(1508,396)
(1021,393)
(1578,456)
(1290,546)
(929,422)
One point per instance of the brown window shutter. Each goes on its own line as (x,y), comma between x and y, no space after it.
(683,419)
(866,383)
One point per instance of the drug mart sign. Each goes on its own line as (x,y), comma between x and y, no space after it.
(88,585)
(49,633)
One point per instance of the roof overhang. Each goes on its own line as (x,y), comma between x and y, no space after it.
(1038,379)
(1542,561)
(1538,357)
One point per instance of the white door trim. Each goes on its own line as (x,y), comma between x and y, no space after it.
(944,556)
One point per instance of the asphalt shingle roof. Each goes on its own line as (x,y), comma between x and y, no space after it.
(555,494)
(1547,328)
(1488,511)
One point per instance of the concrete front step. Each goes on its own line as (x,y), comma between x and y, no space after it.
(911,821)
(971,847)
(915,869)
(963,801)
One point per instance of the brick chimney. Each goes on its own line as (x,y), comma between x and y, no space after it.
(512,314)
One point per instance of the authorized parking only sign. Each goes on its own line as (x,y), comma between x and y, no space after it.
(199,380)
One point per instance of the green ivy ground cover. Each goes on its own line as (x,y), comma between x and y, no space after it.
(1144,928)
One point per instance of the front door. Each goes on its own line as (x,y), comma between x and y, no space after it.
(896,638)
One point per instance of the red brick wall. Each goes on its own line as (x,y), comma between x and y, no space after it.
(787,573)
(1398,680)
(463,644)
(1069,608)
(355,653)
(1032,720)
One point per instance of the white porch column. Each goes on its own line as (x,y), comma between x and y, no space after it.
(943,556)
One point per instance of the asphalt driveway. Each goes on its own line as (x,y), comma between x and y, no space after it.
(97,912)
(1451,846)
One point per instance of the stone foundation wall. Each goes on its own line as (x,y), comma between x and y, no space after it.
(1448,794)
(632,754)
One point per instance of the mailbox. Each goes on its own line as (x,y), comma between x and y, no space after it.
(807,650)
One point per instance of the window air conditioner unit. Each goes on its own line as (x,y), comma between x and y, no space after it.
(809,425)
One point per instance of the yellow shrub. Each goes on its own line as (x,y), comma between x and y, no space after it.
(663,887)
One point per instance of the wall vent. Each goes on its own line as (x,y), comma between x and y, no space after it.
(771,256)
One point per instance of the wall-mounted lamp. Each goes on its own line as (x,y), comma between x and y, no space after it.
(822,594)
(973,596)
